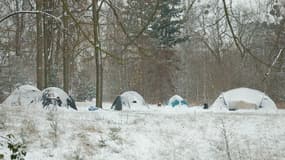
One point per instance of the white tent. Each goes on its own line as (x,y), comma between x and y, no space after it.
(57,97)
(243,98)
(129,100)
(177,101)
(23,95)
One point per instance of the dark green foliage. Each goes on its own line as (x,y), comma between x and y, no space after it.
(137,14)
(18,149)
(168,24)
(86,91)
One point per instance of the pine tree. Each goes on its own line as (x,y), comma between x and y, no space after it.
(168,24)
(137,14)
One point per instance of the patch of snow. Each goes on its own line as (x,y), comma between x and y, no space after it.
(159,133)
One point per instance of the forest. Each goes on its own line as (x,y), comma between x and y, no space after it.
(101,48)
(189,79)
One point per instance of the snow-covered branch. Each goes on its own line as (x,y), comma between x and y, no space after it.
(32,12)
(273,63)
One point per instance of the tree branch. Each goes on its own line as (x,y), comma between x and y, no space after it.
(238,42)
(65,6)
(231,28)
(32,12)
(273,63)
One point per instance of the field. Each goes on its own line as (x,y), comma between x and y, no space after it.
(156,133)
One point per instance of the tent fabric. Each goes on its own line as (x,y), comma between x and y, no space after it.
(92,108)
(177,101)
(129,100)
(23,95)
(117,104)
(57,97)
(243,98)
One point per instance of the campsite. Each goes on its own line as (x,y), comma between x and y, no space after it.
(142,80)
(165,132)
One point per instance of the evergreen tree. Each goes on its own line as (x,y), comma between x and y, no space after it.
(168,24)
(137,14)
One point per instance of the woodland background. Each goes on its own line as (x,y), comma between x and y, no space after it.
(193,48)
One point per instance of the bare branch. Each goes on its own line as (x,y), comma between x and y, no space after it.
(241,47)
(190,7)
(85,35)
(231,28)
(132,40)
(273,63)
(32,12)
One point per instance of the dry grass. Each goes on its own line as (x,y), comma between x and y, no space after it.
(28,132)
(3,119)
(85,144)
(91,129)
(280,104)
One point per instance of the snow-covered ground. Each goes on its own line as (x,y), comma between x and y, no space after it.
(162,133)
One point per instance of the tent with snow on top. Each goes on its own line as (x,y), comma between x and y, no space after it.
(23,95)
(129,100)
(177,101)
(56,97)
(243,98)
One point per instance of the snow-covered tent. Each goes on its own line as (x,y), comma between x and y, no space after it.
(243,98)
(23,95)
(130,100)
(56,97)
(177,101)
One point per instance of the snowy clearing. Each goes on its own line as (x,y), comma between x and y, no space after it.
(163,133)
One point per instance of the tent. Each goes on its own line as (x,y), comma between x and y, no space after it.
(177,101)
(56,97)
(243,98)
(23,95)
(130,100)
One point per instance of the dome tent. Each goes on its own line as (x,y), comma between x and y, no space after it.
(129,99)
(177,101)
(23,95)
(57,97)
(243,98)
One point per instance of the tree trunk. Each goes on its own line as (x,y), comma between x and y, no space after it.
(66,56)
(45,45)
(18,30)
(101,78)
(40,62)
(96,45)
(48,47)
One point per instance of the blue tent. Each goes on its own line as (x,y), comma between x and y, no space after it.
(176,101)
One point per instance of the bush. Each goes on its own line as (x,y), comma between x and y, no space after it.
(85,91)
(17,148)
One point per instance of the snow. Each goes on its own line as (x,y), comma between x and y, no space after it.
(160,133)
(23,95)
(244,97)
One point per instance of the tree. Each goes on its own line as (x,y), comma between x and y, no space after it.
(168,25)
(66,53)
(166,31)
(44,45)
(40,60)
(98,60)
